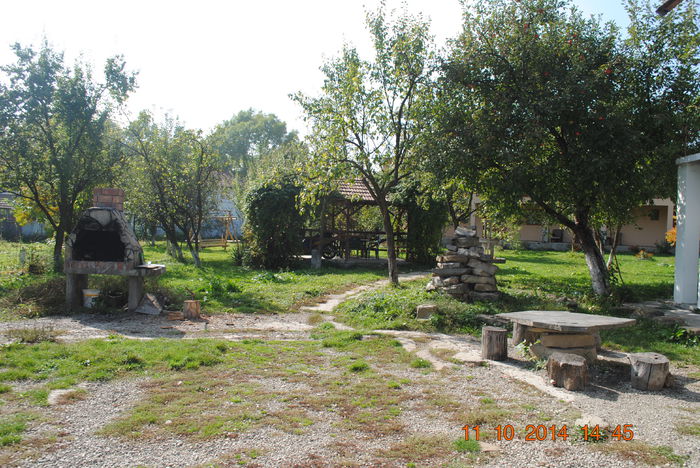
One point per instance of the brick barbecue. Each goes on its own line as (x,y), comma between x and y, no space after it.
(103,243)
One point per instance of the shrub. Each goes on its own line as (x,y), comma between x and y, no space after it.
(273,230)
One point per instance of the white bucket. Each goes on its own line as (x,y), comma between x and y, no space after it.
(89,296)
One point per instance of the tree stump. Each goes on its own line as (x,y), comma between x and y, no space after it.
(494,343)
(522,333)
(190,309)
(649,371)
(567,370)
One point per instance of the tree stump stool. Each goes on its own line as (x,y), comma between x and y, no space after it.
(650,371)
(568,370)
(494,344)
(191,309)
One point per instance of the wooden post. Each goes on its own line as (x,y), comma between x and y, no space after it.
(191,309)
(522,333)
(567,370)
(649,371)
(494,343)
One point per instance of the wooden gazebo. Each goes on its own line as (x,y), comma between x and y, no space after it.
(336,222)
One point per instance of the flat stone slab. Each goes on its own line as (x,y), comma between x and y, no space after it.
(450,271)
(564,321)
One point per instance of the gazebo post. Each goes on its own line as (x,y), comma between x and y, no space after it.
(346,242)
(688,231)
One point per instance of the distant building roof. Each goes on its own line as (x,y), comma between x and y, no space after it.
(6,200)
(355,191)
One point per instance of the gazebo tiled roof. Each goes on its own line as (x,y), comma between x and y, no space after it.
(355,191)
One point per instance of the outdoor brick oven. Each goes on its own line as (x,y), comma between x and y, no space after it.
(103,243)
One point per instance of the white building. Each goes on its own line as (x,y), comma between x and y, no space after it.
(686,289)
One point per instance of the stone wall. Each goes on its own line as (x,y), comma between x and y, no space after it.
(465,272)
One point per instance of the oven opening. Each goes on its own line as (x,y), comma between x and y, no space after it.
(98,246)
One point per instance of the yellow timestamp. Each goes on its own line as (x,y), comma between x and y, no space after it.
(541,432)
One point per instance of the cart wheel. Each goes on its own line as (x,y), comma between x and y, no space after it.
(330,251)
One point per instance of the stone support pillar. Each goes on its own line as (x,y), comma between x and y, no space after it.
(74,290)
(135,292)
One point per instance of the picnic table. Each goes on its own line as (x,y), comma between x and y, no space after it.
(560,330)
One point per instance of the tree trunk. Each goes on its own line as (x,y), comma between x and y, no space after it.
(613,247)
(153,229)
(174,249)
(58,250)
(594,261)
(194,250)
(390,246)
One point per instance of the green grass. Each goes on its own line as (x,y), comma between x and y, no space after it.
(644,453)
(649,336)
(224,287)
(206,388)
(12,427)
(469,446)
(537,281)
(565,273)
(220,285)
(233,396)
(62,365)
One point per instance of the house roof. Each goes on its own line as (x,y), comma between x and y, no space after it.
(355,191)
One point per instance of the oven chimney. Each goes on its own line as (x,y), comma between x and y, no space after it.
(108,198)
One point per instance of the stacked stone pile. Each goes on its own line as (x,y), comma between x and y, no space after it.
(465,272)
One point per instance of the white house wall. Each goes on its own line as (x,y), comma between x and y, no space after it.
(688,231)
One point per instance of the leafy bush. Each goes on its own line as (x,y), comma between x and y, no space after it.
(664,247)
(274,225)
(239,254)
(425,217)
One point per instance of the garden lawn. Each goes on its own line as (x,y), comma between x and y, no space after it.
(220,285)
(565,273)
(531,280)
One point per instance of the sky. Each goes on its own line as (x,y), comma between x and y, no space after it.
(204,61)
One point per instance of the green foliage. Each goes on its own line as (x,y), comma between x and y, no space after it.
(175,178)
(35,334)
(274,224)
(253,144)
(358,366)
(331,338)
(239,253)
(425,221)
(57,141)
(366,120)
(394,308)
(539,101)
